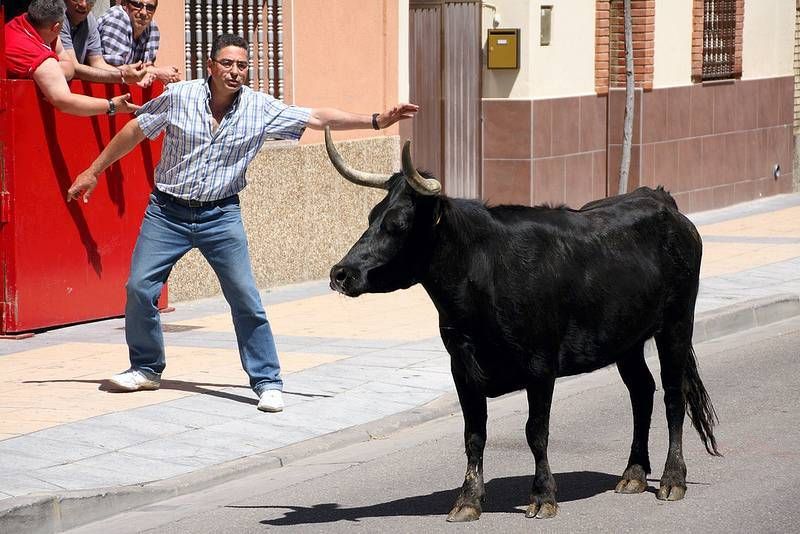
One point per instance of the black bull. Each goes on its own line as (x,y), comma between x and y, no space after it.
(528,294)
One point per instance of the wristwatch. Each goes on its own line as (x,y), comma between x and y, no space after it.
(112,108)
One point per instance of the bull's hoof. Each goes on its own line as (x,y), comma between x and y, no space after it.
(634,480)
(542,511)
(671,493)
(462,514)
(630,486)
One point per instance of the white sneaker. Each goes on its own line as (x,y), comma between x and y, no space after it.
(135,380)
(271,401)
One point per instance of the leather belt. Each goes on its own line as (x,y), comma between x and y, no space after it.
(196,203)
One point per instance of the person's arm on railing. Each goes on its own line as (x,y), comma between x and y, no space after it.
(50,79)
(99,71)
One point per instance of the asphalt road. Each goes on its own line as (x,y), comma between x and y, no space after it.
(407,482)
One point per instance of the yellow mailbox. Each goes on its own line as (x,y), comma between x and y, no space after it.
(503,49)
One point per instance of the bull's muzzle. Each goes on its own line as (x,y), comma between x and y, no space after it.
(346,280)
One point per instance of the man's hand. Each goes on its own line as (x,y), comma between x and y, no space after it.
(147,80)
(134,72)
(85,182)
(123,103)
(399,112)
(166,74)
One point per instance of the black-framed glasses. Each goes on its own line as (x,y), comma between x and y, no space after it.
(228,64)
(151,8)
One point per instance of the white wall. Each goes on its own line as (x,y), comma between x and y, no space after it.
(768,40)
(672,60)
(564,68)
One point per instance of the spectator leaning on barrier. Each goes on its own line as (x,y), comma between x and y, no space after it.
(80,39)
(213,129)
(129,34)
(32,47)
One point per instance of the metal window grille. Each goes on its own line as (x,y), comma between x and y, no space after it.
(258,21)
(719,39)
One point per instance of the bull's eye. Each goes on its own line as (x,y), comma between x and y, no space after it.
(394,222)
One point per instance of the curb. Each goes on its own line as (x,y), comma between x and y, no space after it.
(744,316)
(49,513)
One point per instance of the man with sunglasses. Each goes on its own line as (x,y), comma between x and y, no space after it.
(213,130)
(129,35)
(32,48)
(81,41)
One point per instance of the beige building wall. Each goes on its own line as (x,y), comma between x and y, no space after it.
(340,53)
(768,40)
(169,17)
(565,67)
(403,85)
(673,43)
(345,55)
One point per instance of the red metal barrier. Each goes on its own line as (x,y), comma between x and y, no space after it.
(60,262)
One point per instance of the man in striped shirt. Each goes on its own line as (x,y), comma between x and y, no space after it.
(81,46)
(213,129)
(129,35)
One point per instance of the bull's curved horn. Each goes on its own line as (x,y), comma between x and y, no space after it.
(422,185)
(367,179)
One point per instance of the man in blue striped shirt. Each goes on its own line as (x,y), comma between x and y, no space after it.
(129,34)
(213,129)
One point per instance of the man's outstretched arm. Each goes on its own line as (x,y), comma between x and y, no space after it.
(344,120)
(126,139)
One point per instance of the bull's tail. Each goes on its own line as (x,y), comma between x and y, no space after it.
(699,406)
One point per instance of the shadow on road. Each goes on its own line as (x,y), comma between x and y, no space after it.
(502,495)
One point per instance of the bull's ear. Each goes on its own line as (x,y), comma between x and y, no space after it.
(367,179)
(422,185)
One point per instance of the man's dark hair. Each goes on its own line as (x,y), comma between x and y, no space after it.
(228,39)
(45,13)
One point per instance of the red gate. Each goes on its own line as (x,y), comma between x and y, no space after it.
(60,262)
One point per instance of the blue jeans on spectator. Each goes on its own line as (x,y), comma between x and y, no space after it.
(169,230)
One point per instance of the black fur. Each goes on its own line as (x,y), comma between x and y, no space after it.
(528,294)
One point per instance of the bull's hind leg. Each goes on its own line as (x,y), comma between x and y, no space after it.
(537,430)
(640,384)
(473,406)
(674,348)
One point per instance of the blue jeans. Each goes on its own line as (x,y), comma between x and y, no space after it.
(169,230)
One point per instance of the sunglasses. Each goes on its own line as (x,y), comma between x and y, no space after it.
(151,8)
(227,64)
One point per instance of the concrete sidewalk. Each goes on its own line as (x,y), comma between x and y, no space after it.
(72,452)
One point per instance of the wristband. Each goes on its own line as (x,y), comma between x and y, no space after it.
(375,121)
(112,108)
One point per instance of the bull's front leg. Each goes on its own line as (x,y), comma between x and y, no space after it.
(473,406)
(543,491)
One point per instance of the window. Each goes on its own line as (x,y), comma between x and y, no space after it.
(719,54)
(258,21)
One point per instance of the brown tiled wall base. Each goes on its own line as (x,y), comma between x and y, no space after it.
(716,145)
(544,150)
(711,145)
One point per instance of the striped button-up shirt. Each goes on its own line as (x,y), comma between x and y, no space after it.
(119,46)
(200,164)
